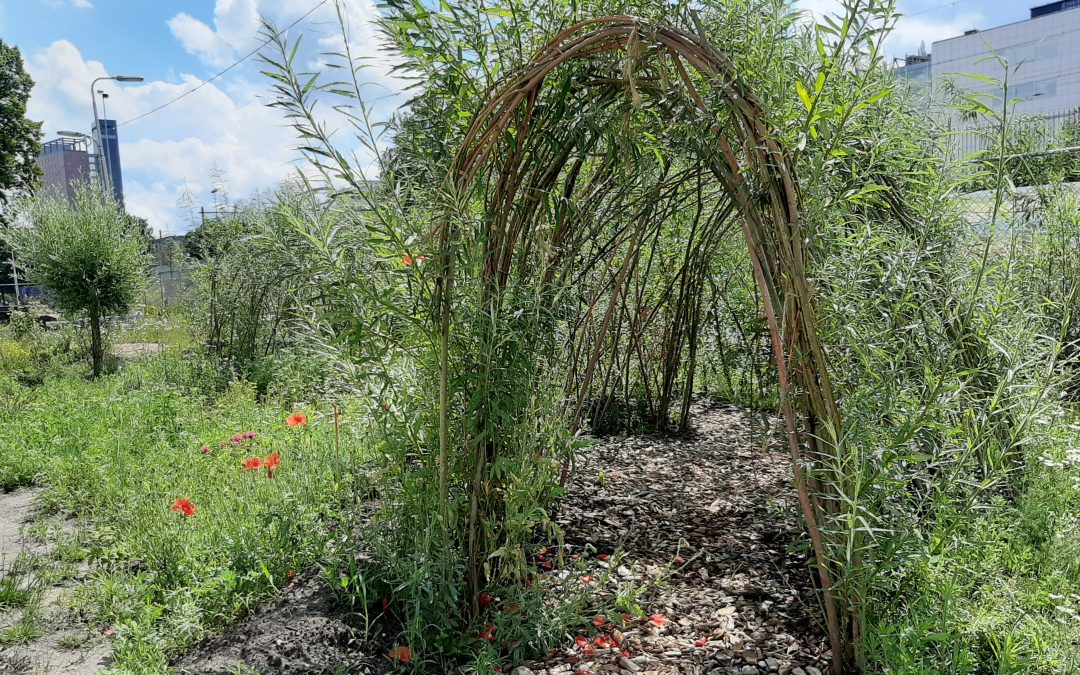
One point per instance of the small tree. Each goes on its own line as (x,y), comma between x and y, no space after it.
(85,253)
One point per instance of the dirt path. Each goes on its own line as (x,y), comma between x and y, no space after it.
(15,509)
(36,636)
(711,517)
(130,351)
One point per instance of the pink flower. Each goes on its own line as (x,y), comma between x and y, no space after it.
(205,449)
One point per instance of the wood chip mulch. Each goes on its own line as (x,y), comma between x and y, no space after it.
(707,525)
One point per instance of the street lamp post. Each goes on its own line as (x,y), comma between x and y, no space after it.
(103,159)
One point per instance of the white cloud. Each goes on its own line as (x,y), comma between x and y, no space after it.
(914,28)
(224,124)
(236,25)
(173,148)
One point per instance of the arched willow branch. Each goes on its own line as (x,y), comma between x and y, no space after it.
(736,147)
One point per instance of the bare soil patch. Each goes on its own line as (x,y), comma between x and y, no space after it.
(129,351)
(303,632)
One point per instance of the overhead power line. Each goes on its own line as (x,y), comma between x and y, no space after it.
(247,56)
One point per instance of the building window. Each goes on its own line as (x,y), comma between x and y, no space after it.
(1031,91)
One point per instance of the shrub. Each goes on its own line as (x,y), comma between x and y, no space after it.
(85,253)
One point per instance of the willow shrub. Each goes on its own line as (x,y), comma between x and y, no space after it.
(945,371)
(85,253)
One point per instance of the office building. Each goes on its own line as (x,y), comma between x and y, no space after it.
(65,163)
(1043,57)
(110,149)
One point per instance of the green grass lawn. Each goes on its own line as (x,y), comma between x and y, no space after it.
(120,451)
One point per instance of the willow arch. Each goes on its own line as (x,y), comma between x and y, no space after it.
(759,178)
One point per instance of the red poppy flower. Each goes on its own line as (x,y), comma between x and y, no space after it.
(407,259)
(701,642)
(581,641)
(484,600)
(205,449)
(602,642)
(296,420)
(271,462)
(588,650)
(402,654)
(385,604)
(658,620)
(626,653)
(184,506)
(290,574)
(603,556)
(252,463)
(546,564)
(487,633)
(599,620)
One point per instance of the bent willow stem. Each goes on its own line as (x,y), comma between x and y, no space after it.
(746,161)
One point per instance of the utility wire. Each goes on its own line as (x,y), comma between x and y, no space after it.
(247,56)
(953,4)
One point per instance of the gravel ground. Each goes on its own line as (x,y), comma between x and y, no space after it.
(707,522)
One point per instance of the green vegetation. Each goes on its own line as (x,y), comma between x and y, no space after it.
(85,254)
(121,450)
(20,138)
(619,232)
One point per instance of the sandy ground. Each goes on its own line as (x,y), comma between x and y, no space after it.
(45,655)
(129,351)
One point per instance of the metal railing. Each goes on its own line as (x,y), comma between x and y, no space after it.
(1044,131)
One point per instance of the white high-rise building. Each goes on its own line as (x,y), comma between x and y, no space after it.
(1043,56)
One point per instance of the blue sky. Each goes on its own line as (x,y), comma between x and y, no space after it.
(176,44)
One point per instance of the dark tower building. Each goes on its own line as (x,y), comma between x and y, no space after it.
(110,148)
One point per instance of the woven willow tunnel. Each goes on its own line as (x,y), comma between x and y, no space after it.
(738,152)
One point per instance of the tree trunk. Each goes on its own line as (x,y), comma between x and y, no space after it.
(96,349)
